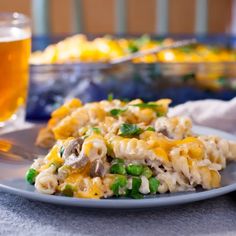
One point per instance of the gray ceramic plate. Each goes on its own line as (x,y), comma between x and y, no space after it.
(12,172)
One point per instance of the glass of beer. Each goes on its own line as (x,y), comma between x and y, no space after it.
(15,47)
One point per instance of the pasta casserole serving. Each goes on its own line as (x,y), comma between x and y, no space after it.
(125,148)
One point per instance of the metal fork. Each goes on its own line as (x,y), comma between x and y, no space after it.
(157,49)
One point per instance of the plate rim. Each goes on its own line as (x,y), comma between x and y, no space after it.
(179,198)
(122,203)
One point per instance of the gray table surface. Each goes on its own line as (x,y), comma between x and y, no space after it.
(19,216)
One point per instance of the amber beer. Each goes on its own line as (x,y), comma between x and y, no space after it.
(15,46)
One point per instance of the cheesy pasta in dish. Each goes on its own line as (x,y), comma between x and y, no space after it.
(80,49)
(119,148)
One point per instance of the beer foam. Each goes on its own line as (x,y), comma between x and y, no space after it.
(9,34)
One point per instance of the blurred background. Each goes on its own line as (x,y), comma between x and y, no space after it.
(79,66)
(60,17)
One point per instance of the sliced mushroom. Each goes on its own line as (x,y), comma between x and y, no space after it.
(82,161)
(72,147)
(97,169)
(80,141)
(77,161)
(164,131)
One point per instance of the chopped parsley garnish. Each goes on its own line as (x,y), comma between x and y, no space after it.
(62,149)
(155,107)
(96,130)
(159,114)
(130,130)
(150,129)
(146,105)
(117,112)
(132,48)
(149,105)
(110,97)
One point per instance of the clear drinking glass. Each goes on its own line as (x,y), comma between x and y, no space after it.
(15,47)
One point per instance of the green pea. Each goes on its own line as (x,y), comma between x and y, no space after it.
(136,183)
(120,182)
(118,169)
(147,172)
(135,170)
(31,175)
(68,191)
(137,195)
(153,184)
(134,192)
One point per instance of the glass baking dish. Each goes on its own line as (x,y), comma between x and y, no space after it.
(51,84)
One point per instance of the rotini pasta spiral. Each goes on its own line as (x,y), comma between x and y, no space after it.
(135,149)
(94,147)
(175,127)
(46,182)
